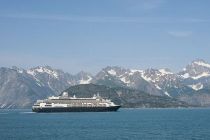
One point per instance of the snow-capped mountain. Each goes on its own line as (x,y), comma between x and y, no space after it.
(110,76)
(197,75)
(196,70)
(189,85)
(56,79)
(83,78)
(19,85)
(117,76)
(152,81)
(18,89)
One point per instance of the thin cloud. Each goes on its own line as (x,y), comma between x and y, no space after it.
(104,19)
(180,33)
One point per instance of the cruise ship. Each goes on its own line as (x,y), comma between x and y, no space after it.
(65,103)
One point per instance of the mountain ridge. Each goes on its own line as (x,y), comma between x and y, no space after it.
(42,81)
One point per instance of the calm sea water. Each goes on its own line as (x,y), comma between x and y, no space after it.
(126,124)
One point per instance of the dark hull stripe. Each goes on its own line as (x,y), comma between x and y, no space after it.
(76,109)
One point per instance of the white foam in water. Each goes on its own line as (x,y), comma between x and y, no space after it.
(26,112)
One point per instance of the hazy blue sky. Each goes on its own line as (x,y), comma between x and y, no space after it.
(88,35)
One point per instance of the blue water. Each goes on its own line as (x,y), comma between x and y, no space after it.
(126,124)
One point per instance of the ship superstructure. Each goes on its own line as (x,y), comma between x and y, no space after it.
(64,103)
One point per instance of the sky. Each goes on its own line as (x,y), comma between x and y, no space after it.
(88,35)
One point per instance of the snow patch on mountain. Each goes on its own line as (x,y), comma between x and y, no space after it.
(123,79)
(69,82)
(196,69)
(186,75)
(112,72)
(39,84)
(31,72)
(202,63)
(166,93)
(49,85)
(135,70)
(158,87)
(43,70)
(87,81)
(165,72)
(204,74)
(20,71)
(196,86)
(48,71)
(148,79)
